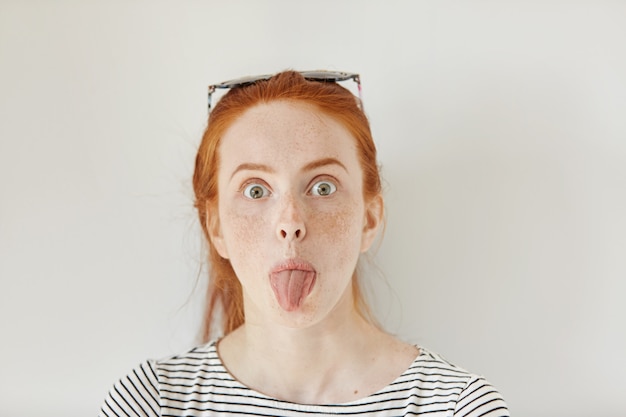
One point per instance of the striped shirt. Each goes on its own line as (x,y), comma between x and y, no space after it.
(197,384)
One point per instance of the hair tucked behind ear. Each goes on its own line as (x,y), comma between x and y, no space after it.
(224,309)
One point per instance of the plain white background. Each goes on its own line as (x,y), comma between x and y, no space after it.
(502,136)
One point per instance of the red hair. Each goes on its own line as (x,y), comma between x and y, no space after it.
(224,290)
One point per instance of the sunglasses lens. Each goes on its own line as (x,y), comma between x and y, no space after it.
(327,75)
(243,81)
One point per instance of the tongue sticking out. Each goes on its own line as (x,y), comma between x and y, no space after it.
(291,287)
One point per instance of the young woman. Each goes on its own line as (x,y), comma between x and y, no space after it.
(288,195)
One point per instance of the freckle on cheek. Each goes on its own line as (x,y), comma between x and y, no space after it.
(339,227)
(339,223)
(245,229)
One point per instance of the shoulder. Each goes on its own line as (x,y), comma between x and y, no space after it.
(136,394)
(199,364)
(192,360)
(154,385)
(439,381)
(433,369)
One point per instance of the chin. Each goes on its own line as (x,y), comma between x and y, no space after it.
(300,318)
(307,316)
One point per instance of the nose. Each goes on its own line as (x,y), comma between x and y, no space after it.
(290,225)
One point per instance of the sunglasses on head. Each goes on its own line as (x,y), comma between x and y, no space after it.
(320,75)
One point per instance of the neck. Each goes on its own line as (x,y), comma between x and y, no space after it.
(310,365)
(346,335)
(338,359)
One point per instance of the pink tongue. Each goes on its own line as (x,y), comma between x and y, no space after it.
(291,287)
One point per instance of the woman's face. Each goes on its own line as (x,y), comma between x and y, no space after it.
(291,215)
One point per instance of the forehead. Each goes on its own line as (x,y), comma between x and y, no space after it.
(284,131)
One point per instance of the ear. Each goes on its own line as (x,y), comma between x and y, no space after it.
(214,228)
(374,212)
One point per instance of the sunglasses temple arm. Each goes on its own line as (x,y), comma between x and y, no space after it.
(209,97)
(358,86)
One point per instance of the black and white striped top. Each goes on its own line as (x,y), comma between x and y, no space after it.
(197,384)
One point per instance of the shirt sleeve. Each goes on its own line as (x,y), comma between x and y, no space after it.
(480,399)
(135,395)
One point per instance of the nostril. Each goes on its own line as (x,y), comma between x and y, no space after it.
(295,234)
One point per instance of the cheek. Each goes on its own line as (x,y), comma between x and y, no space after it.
(336,225)
(243,233)
(339,231)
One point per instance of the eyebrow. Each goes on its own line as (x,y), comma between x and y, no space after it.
(323,162)
(251,167)
(248,166)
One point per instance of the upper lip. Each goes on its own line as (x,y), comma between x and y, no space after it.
(294,263)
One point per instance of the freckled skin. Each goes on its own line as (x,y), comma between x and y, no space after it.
(329,232)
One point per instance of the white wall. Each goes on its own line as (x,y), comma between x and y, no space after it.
(502,136)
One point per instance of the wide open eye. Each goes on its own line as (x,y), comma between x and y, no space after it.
(255,191)
(323,188)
